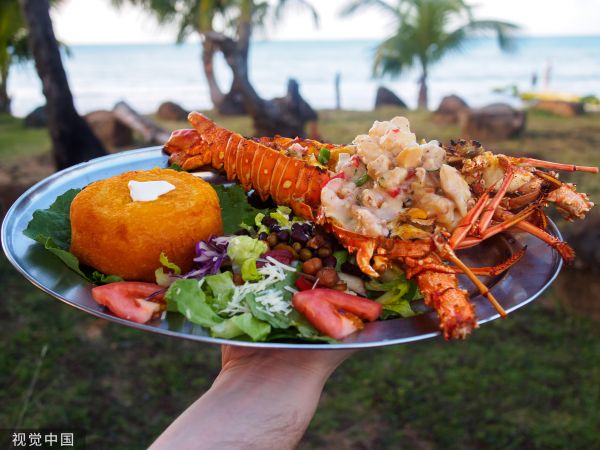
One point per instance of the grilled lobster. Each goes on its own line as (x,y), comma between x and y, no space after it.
(487,194)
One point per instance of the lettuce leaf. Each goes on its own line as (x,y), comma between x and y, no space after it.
(242,248)
(243,324)
(235,208)
(218,289)
(399,292)
(187,297)
(249,270)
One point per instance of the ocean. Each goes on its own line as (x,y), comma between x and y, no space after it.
(146,75)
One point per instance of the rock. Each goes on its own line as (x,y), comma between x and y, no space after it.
(385,97)
(449,110)
(172,111)
(496,121)
(584,237)
(110,130)
(36,118)
(560,108)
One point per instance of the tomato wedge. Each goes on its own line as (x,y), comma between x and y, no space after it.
(126,299)
(335,314)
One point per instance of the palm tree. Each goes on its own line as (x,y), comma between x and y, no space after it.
(72,139)
(215,21)
(426,31)
(13,45)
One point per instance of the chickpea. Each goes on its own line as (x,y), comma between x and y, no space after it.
(312,266)
(316,241)
(272,240)
(328,277)
(324,252)
(237,279)
(305,254)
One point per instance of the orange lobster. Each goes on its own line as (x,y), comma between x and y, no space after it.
(288,170)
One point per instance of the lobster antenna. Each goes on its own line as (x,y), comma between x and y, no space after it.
(476,281)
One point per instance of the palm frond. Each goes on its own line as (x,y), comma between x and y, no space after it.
(504,31)
(283,5)
(354,6)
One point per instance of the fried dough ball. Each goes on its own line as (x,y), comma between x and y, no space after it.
(118,236)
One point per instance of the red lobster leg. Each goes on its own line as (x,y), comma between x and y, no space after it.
(553,165)
(565,250)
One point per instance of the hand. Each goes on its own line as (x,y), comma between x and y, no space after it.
(262,399)
(313,363)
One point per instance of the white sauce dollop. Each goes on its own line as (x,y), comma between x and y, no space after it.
(147,191)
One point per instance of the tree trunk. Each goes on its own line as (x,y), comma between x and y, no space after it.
(72,139)
(150,131)
(227,104)
(4,98)
(208,54)
(422,103)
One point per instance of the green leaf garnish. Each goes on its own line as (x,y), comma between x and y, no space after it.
(235,208)
(324,156)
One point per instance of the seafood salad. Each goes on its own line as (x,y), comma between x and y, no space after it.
(393,186)
(338,235)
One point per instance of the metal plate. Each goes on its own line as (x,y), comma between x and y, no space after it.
(521,284)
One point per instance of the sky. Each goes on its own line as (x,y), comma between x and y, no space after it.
(97,22)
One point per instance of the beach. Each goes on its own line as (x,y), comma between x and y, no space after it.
(146,75)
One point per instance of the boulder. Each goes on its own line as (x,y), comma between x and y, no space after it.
(493,122)
(110,130)
(38,118)
(385,97)
(172,111)
(584,237)
(449,110)
(560,108)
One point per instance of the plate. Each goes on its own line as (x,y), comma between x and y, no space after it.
(518,286)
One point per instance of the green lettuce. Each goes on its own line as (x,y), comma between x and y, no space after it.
(282,216)
(241,248)
(218,289)
(187,297)
(243,324)
(398,293)
(235,208)
(249,270)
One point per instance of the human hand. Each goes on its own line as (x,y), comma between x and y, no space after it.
(262,398)
(276,363)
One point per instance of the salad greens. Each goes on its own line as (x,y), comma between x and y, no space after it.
(235,209)
(398,293)
(242,248)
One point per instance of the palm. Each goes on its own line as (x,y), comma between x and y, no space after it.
(426,31)
(13,44)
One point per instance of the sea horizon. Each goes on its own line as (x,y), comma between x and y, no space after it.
(146,74)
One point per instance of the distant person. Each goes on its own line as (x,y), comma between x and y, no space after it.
(547,75)
(534,80)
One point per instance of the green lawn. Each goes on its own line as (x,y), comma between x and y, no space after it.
(528,382)
(18,142)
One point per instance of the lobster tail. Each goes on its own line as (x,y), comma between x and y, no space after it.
(270,171)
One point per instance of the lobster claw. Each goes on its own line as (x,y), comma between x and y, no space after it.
(364,246)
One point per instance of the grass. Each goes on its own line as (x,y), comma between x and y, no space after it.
(18,142)
(528,382)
